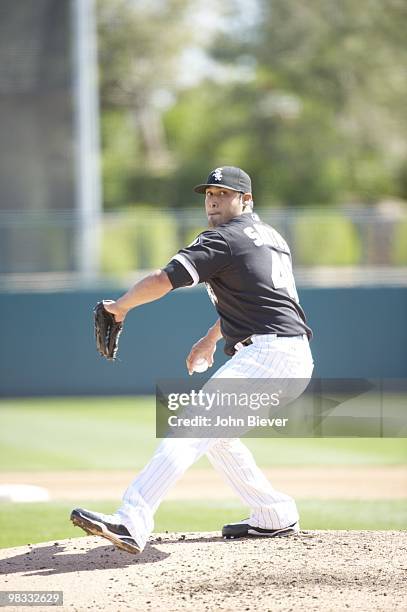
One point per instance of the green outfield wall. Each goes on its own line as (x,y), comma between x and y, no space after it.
(48,346)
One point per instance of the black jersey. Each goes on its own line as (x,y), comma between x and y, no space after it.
(246,266)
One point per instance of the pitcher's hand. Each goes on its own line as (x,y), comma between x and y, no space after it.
(203,349)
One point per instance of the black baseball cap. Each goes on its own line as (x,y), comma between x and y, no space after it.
(229,177)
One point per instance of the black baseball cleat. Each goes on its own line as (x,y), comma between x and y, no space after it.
(98,524)
(243,529)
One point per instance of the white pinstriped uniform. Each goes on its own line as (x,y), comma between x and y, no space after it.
(268,357)
(246,267)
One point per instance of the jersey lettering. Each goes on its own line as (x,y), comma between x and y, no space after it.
(251,232)
(262,235)
(282,273)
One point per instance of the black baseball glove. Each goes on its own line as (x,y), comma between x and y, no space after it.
(107,331)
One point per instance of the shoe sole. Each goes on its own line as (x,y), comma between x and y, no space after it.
(279,533)
(99,529)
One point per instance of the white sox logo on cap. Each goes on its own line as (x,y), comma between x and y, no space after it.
(217,174)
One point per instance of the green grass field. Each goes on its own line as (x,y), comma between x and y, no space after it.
(119,433)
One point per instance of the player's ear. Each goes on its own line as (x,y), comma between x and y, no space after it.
(247,201)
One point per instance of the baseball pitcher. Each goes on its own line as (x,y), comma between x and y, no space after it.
(246,266)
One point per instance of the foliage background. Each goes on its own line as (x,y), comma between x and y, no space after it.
(308,97)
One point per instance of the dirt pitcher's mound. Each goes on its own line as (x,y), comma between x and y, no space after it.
(316,570)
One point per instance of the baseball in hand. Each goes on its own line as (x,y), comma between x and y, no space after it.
(200,365)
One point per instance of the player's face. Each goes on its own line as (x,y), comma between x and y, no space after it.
(222,205)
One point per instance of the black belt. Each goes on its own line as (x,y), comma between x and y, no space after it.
(249,340)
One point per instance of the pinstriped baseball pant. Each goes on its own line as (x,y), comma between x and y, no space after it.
(268,357)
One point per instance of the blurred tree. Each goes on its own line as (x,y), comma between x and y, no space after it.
(139,44)
(308,97)
(120,156)
(141,237)
(327,118)
(325,240)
